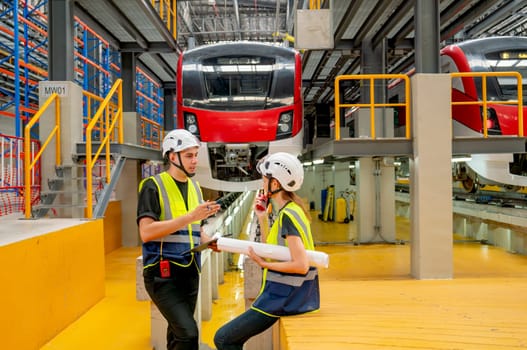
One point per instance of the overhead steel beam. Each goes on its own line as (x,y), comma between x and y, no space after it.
(342,27)
(153,16)
(157,47)
(163,65)
(468,16)
(494,18)
(120,18)
(365,29)
(395,18)
(87,18)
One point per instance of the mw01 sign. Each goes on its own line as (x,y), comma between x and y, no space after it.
(47,88)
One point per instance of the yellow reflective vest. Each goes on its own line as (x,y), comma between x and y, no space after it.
(284,294)
(172,205)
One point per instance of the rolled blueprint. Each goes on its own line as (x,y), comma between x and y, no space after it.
(269,251)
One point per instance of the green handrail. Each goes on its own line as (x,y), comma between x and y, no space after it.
(28,163)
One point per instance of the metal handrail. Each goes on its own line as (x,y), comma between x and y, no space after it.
(109,127)
(314,4)
(484,102)
(168,13)
(90,103)
(28,163)
(152,138)
(372,104)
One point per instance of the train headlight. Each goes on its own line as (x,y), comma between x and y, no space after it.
(193,128)
(191,123)
(190,118)
(285,125)
(286,117)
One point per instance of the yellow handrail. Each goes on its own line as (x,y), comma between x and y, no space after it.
(484,102)
(314,4)
(167,11)
(371,104)
(91,101)
(109,127)
(28,164)
(153,139)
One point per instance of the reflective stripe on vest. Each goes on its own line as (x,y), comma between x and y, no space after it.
(172,205)
(175,238)
(299,220)
(290,280)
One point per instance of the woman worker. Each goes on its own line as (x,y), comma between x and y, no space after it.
(289,287)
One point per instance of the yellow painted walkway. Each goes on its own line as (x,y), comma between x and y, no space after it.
(369,301)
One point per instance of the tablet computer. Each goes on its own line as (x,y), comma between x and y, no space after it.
(200,247)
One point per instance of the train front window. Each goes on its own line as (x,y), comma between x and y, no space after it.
(239,83)
(509,61)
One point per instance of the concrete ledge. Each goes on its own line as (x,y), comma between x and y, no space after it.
(508,216)
(502,227)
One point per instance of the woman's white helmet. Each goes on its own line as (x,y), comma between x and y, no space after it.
(178,140)
(284,167)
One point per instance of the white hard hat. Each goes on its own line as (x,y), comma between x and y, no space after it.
(284,167)
(178,140)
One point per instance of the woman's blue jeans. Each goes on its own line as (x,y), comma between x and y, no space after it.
(235,333)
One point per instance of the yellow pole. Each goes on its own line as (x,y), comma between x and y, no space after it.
(27,173)
(372,108)
(120,113)
(58,155)
(88,174)
(337,109)
(28,164)
(484,95)
(407,103)
(520,103)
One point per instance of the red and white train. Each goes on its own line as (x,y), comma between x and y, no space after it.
(491,54)
(243,100)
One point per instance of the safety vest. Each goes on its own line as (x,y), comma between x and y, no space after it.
(172,205)
(284,294)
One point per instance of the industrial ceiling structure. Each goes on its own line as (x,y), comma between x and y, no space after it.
(134,26)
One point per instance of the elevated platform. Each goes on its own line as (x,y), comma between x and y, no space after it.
(398,146)
(127,150)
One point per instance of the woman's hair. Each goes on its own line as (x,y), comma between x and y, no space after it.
(298,200)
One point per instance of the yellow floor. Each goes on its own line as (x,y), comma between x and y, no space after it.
(382,307)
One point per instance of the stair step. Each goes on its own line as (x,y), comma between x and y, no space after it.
(83,191)
(51,206)
(95,178)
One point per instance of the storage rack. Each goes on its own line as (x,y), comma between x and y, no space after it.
(23,58)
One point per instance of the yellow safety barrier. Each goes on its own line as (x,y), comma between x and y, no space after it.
(112,119)
(28,163)
(92,103)
(167,10)
(314,4)
(371,105)
(484,102)
(150,133)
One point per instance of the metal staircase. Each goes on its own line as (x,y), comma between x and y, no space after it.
(66,193)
